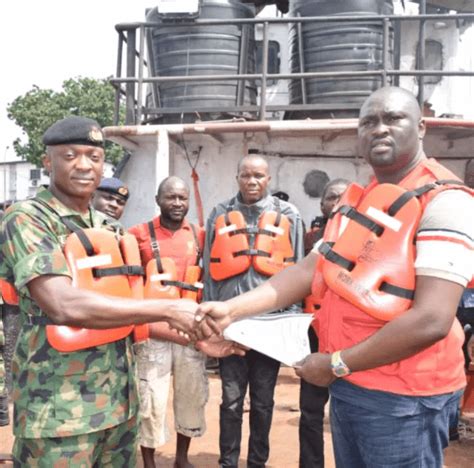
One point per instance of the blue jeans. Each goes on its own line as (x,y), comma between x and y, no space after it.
(259,373)
(373,429)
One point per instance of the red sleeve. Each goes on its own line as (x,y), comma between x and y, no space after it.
(140,231)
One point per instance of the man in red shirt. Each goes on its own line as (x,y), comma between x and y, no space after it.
(182,242)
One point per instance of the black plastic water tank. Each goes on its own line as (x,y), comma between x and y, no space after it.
(202,50)
(338,46)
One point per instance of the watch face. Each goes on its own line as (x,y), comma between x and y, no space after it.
(340,371)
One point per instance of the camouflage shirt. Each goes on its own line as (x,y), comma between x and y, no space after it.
(58,394)
(2,345)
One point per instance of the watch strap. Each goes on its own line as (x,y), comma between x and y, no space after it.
(338,366)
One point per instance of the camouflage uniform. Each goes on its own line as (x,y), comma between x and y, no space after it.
(4,419)
(2,345)
(59,395)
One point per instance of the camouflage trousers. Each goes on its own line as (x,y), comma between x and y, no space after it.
(2,347)
(114,447)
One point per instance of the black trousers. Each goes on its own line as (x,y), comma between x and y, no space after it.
(259,373)
(311,434)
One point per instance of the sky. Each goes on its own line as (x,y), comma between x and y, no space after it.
(44,42)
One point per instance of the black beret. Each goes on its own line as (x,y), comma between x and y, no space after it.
(281,195)
(74,130)
(115,186)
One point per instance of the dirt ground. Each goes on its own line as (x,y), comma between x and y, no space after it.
(284,434)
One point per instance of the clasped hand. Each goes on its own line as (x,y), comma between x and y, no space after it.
(203,324)
(200,321)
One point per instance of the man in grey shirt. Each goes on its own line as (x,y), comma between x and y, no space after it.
(254,370)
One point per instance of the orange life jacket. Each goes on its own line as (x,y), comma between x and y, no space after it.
(341,323)
(232,254)
(350,197)
(162,278)
(371,263)
(99,262)
(9,293)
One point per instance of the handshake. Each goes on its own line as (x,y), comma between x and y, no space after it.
(203,325)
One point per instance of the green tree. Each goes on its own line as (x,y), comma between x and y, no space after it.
(39,108)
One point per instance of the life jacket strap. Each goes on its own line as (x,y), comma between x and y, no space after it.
(361,219)
(326,250)
(252,230)
(276,202)
(182,285)
(407,196)
(253,252)
(86,243)
(127,270)
(243,231)
(397,291)
(258,253)
(155,247)
(196,244)
(398,204)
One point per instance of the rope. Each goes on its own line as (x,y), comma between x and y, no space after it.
(195,177)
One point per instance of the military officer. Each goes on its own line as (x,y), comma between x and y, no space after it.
(111,197)
(78,408)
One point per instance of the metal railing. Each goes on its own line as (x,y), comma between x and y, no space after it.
(131,87)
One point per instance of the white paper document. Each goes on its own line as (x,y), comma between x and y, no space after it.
(283,337)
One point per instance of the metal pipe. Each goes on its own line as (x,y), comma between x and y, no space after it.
(385,42)
(305,19)
(301,60)
(233,127)
(130,85)
(152,70)
(437,122)
(243,52)
(121,164)
(263,88)
(397,47)
(255,108)
(289,76)
(430,73)
(141,57)
(278,126)
(421,56)
(119,74)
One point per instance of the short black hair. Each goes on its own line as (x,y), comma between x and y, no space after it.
(252,155)
(332,183)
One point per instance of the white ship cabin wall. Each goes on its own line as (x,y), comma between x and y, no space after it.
(299,158)
(449,47)
(292,158)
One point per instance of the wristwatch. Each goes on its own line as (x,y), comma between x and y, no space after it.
(338,366)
